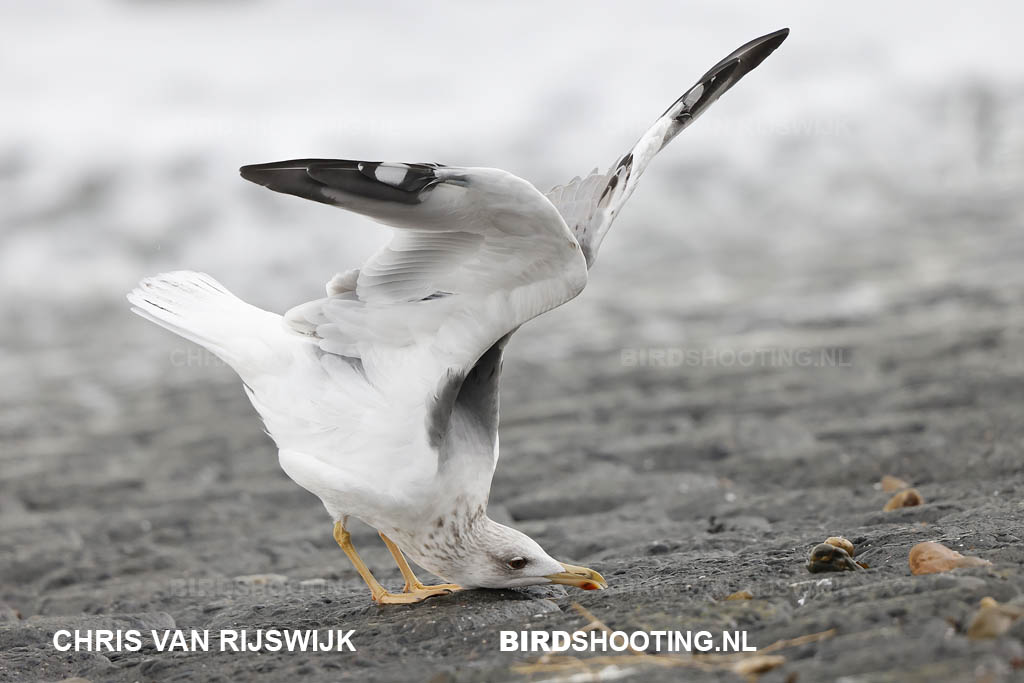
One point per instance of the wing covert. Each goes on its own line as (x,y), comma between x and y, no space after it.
(475,253)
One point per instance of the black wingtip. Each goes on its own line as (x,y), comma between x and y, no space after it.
(340,182)
(757,50)
(262,174)
(775,38)
(288,177)
(251,173)
(741,61)
(722,76)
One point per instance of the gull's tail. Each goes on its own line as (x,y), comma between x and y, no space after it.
(197,307)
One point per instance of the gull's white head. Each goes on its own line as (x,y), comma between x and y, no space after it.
(492,555)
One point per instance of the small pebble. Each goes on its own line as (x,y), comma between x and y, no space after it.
(933,558)
(993,619)
(904,499)
(757,664)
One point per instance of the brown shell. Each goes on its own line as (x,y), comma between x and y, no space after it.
(933,558)
(826,557)
(890,484)
(840,542)
(904,499)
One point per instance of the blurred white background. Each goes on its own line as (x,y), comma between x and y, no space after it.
(124,123)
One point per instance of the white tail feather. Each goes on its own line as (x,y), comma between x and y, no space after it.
(200,309)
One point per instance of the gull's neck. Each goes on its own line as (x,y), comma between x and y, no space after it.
(447,539)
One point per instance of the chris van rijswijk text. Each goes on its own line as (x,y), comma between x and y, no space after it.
(228,640)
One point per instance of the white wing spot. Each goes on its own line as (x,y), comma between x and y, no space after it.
(694,95)
(391,175)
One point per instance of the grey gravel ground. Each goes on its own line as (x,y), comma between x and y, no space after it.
(718,402)
(141,502)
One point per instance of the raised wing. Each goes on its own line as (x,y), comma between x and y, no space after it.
(475,254)
(590,204)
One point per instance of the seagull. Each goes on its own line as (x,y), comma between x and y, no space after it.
(382,397)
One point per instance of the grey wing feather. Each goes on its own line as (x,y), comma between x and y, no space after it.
(590,204)
(474,395)
(406,195)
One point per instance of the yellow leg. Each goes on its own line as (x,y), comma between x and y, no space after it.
(344,539)
(380,593)
(412,584)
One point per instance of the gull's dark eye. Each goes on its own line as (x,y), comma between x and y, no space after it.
(517,563)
